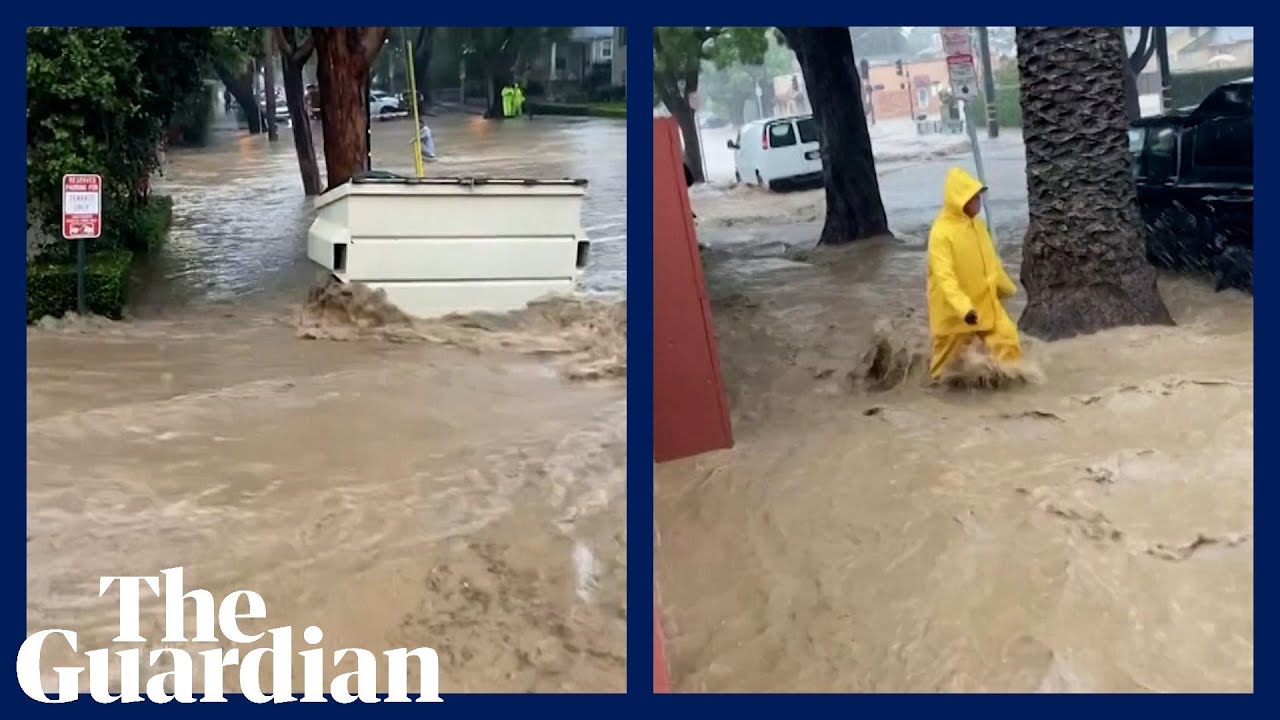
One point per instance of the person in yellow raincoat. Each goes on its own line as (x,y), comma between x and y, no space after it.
(517,97)
(966,280)
(508,101)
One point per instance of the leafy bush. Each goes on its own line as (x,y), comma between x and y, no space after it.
(148,228)
(1191,88)
(609,94)
(193,119)
(99,100)
(51,285)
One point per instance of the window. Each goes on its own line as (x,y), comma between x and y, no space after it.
(1160,163)
(808,130)
(922,97)
(1224,150)
(1236,98)
(781,135)
(1136,138)
(606,49)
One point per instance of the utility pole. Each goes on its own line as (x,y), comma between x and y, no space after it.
(269,81)
(1162,56)
(988,82)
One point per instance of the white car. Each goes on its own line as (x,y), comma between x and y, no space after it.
(778,152)
(381,103)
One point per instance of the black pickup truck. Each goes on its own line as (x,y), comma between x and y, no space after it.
(1194,175)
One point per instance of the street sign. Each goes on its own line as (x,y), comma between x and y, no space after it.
(956,41)
(81,207)
(963,75)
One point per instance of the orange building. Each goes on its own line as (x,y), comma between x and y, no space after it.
(895,96)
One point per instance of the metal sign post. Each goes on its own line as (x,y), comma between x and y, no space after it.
(81,221)
(417,121)
(958,46)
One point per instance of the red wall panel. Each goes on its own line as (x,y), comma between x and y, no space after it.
(690,410)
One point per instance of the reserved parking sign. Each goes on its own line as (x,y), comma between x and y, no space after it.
(81,206)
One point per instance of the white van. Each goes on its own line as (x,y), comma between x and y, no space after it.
(777,152)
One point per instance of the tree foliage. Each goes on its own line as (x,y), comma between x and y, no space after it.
(729,81)
(503,54)
(99,100)
(678,56)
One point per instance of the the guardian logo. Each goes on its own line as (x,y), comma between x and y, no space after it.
(216,625)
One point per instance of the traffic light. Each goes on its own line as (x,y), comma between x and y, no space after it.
(898,64)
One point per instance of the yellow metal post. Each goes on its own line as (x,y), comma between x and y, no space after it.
(413,100)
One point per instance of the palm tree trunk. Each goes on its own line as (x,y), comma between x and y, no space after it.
(1083,260)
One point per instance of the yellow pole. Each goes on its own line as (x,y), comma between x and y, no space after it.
(413,100)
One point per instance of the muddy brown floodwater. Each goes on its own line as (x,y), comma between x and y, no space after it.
(1092,532)
(454,484)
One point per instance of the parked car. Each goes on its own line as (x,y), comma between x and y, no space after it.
(1194,176)
(778,152)
(707,121)
(381,103)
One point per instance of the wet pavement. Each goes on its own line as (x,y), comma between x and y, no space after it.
(449,490)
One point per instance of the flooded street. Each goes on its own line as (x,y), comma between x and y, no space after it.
(451,490)
(1089,533)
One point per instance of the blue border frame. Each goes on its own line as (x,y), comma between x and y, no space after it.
(638,18)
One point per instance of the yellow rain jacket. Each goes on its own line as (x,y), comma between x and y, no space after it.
(965,273)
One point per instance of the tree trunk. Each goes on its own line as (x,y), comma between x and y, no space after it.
(1083,260)
(1134,64)
(292,59)
(269,82)
(241,86)
(423,48)
(854,208)
(499,77)
(343,58)
(688,122)
(677,103)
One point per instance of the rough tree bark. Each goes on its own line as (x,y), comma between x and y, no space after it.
(854,208)
(240,84)
(1083,260)
(343,58)
(269,82)
(294,54)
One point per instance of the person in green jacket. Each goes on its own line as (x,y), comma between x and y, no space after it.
(508,101)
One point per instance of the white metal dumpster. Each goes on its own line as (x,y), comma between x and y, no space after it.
(445,245)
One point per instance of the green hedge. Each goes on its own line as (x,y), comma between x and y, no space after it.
(193,118)
(1008,108)
(51,280)
(51,285)
(148,229)
(604,109)
(1191,88)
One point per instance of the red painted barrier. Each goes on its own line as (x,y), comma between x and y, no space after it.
(661,682)
(690,410)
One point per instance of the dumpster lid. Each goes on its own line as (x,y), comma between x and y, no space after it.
(383,177)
